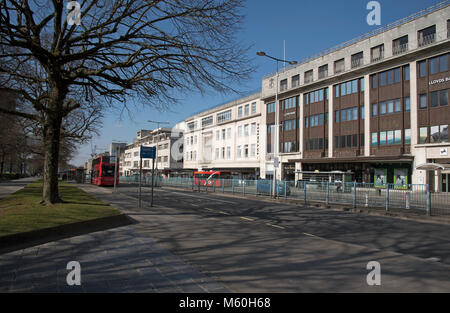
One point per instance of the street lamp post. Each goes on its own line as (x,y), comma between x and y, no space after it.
(276,144)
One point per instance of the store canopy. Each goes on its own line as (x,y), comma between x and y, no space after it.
(430,167)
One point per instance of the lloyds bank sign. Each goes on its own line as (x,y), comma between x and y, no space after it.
(439,81)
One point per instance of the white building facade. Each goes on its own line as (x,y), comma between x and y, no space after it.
(230,137)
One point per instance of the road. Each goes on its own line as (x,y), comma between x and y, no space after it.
(261,246)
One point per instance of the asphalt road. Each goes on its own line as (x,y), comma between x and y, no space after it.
(261,246)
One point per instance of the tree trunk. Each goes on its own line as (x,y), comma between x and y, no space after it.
(52,132)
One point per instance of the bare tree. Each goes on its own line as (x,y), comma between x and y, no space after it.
(122,52)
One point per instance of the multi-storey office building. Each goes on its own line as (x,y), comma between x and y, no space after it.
(229,137)
(374,106)
(169,151)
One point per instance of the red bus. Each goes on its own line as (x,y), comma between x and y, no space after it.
(103,172)
(212,178)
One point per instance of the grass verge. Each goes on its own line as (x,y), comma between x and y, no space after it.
(22,212)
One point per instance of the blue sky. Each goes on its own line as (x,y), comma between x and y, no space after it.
(307,27)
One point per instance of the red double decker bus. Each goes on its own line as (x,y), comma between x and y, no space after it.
(103,172)
(211,179)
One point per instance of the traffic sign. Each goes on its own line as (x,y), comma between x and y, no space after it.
(148,152)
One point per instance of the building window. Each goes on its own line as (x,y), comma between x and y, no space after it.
(361,84)
(224,116)
(240,131)
(407,136)
(407,105)
(239,152)
(323,71)
(443,97)
(382,79)
(223,134)
(295,81)
(400,45)
(217,135)
(247,109)
(207,121)
(246,133)
(253,129)
(283,85)
(383,108)
(397,105)
(383,138)
(443,63)
(406,72)
(290,124)
(246,151)
(254,108)
(377,53)
(434,99)
(357,59)
(433,66)
(339,66)
(240,110)
(373,78)
(270,127)
(309,76)
(270,107)
(427,36)
(228,153)
(423,68)
(229,133)
(253,150)
(443,131)
(289,103)
(423,135)
(423,101)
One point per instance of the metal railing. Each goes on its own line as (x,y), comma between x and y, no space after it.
(399,49)
(411,198)
(375,32)
(357,62)
(427,40)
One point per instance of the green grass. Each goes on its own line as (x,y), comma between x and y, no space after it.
(22,211)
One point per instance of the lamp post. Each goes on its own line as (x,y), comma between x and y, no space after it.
(276,144)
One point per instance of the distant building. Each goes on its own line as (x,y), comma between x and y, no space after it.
(165,140)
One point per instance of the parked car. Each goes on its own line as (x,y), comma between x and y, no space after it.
(265,186)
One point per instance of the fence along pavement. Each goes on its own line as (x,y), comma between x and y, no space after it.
(411,198)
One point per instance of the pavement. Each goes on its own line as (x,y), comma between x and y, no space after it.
(197,242)
(115,260)
(8,187)
(259,246)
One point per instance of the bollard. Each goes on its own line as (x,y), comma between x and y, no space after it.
(304,190)
(408,200)
(387,197)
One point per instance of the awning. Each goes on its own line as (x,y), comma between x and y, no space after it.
(430,167)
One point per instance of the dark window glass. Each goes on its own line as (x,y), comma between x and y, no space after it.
(443,97)
(374,109)
(397,75)
(342,141)
(374,81)
(336,142)
(423,69)
(406,72)
(407,105)
(434,99)
(336,116)
(390,77)
(397,105)
(349,141)
(423,101)
(355,140)
(433,66)
(443,63)
(382,79)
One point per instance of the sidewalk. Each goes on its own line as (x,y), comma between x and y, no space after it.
(11,186)
(115,260)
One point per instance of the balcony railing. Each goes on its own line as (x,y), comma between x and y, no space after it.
(399,49)
(357,62)
(308,79)
(378,58)
(323,74)
(427,40)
